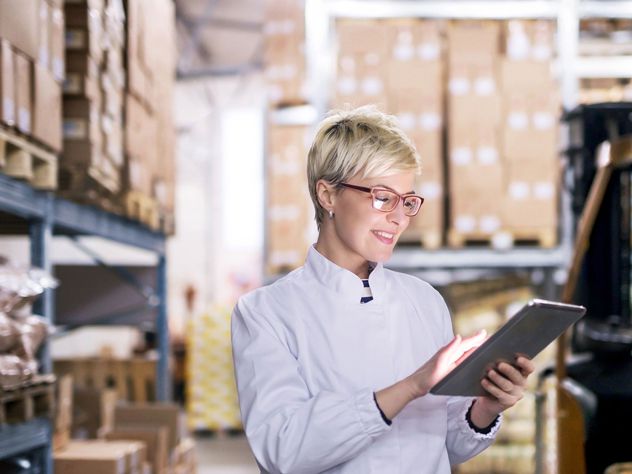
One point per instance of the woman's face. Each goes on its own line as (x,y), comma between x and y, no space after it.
(366,233)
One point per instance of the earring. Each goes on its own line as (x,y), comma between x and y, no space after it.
(331,214)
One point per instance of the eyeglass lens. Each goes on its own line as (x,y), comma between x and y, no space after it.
(386,201)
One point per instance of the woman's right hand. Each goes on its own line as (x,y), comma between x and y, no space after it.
(444,360)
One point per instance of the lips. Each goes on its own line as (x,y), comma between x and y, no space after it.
(384,237)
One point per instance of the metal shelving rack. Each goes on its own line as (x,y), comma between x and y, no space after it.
(47,215)
(571,67)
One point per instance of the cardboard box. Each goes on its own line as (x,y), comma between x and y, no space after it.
(473,41)
(477,179)
(475,213)
(163,414)
(529,40)
(529,144)
(358,37)
(474,111)
(100,457)
(7,84)
(19,23)
(56,31)
(23,92)
(429,146)
(410,39)
(529,213)
(419,76)
(154,438)
(47,120)
(93,411)
(526,77)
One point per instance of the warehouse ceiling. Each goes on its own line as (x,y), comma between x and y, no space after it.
(219,37)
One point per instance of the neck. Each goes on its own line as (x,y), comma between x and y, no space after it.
(336,252)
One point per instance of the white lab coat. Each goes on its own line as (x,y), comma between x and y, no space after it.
(308,357)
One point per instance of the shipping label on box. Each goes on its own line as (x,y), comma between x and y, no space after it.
(529,40)
(411,38)
(7,84)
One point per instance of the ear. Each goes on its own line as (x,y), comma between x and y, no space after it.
(326,193)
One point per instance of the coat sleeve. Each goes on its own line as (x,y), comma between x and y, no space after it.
(462,441)
(289,429)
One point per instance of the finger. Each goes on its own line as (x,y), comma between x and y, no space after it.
(474,341)
(501,382)
(465,356)
(505,399)
(493,390)
(512,373)
(526,365)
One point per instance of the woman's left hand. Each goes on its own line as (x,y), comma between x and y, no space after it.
(505,386)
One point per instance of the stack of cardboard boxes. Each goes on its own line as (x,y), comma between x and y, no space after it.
(127,439)
(474,110)
(211,390)
(289,210)
(398,66)
(530,132)
(32,69)
(93,100)
(362,55)
(284,52)
(149,131)
(287,203)
(415,73)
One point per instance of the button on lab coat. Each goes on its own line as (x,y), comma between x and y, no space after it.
(308,357)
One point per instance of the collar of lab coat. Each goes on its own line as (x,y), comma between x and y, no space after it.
(343,281)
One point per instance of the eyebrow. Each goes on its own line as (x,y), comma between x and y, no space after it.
(388,187)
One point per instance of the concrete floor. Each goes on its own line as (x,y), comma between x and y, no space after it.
(223,454)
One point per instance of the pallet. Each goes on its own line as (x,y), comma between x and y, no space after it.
(34,398)
(21,159)
(543,238)
(427,239)
(90,187)
(132,379)
(142,208)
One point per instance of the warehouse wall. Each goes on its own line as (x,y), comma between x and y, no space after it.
(218,247)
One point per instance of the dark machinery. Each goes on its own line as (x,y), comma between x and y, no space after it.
(604,280)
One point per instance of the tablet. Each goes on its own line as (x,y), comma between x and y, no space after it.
(533,328)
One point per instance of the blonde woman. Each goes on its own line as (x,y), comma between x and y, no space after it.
(334,361)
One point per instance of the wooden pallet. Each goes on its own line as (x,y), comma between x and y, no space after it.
(427,239)
(142,208)
(21,159)
(133,379)
(90,187)
(26,401)
(543,238)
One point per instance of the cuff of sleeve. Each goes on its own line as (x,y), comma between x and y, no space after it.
(368,413)
(487,433)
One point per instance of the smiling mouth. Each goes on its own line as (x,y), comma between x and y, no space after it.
(385,237)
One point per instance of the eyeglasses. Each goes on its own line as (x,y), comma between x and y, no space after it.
(386,200)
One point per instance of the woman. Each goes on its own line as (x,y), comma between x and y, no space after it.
(334,361)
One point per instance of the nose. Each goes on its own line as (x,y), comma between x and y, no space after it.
(397,216)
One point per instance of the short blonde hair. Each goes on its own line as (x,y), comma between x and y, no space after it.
(362,141)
